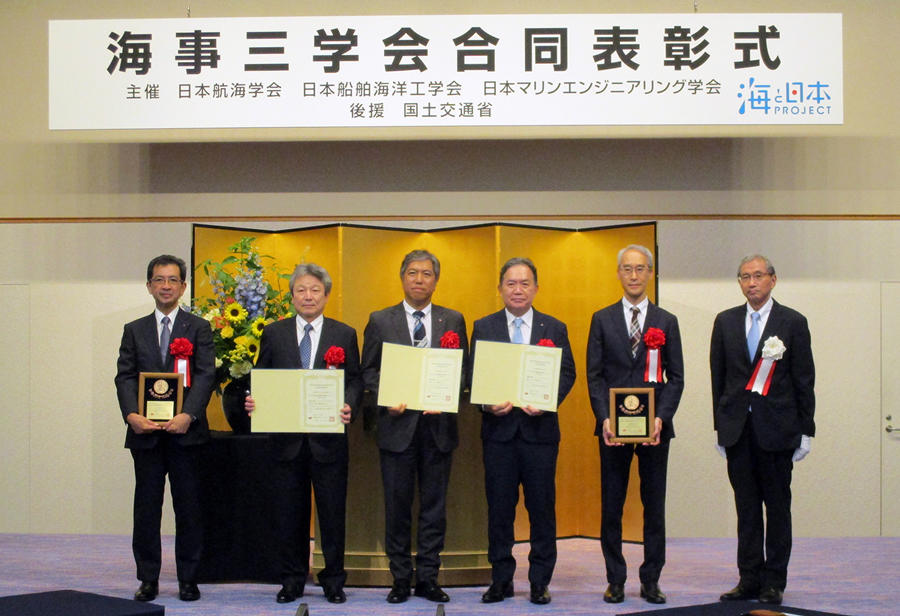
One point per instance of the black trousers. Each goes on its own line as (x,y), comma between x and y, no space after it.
(615,466)
(295,479)
(399,471)
(507,465)
(759,477)
(150,469)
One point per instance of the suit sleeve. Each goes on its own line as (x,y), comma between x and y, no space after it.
(371,356)
(203,371)
(353,381)
(673,360)
(717,369)
(567,369)
(127,374)
(803,375)
(598,388)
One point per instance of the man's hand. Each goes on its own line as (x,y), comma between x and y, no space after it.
(249,404)
(140,424)
(178,424)
(500,409)
(397,410)
(607,434)
(656,432)
(345,414)
(530,410)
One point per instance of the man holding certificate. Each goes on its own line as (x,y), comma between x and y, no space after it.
(634,344)
(311,341)
(761,364)
(161,353)
(521,443)
(414,442)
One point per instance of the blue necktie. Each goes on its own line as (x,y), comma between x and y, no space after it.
(419,329)
(753,335)
(305,347)
(517,331)
(164,336)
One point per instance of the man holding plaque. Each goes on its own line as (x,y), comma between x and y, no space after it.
(521,444)
(761,364)
(320,461)
(166,342)
(634,344)
(414,443)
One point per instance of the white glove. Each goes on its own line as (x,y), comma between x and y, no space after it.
(721,451)
(803,449)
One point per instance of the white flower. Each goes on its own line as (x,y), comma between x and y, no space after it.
(218,362)
(212,314)
(773,348)
(239,369)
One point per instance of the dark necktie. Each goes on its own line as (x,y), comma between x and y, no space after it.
(634,332)
(419,329)
(306,348)
(164,336)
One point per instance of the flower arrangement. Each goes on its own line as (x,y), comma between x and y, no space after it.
(242,303)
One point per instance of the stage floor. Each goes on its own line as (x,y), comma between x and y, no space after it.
(857,576)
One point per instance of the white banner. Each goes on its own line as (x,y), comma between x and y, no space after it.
(447,70)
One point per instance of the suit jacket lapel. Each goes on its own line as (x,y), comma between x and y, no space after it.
(324,344)
(398,321)
(538,327)
(151,339)
(771,325)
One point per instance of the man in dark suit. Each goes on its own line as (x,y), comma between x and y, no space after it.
(618,356)
(414,443)
(170,447)
(761,364)
(521,444)
(320,460)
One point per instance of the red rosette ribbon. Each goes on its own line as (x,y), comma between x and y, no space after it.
(545,342)
(182,350)
(654,339)
(450,340)
(334,357)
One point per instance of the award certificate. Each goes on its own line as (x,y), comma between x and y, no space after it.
(160,395)
(519,373)
(632,415)
(425,379)
(297,400)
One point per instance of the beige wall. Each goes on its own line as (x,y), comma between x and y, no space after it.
(66,288)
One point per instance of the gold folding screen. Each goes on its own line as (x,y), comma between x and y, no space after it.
(576,276)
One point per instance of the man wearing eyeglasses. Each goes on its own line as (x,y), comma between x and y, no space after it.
(763,375)
(166,447)
(619,355)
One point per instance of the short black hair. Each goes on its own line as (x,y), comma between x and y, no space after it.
(167,260)
(519,261)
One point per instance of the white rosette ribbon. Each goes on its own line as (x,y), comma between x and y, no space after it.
(773,350)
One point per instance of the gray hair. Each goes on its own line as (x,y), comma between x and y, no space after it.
(311,269)
(519,261)
(421,255)
(770,269)
(641,249)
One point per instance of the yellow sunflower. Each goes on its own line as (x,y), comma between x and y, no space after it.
(257,326)
(235,313)
(251,345)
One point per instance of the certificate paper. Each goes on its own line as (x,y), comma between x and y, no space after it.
(520,373)
(297,400)
(425,379)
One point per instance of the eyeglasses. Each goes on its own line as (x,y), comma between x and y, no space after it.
(637,269)
(158,280)
(756,276)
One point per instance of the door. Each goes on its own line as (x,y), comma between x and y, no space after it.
(890,409)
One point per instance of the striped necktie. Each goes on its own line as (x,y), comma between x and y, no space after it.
(419,329)
(634,332)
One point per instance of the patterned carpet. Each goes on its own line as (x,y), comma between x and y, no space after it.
(854,576)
